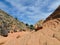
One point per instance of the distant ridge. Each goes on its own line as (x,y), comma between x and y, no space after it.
(9,23)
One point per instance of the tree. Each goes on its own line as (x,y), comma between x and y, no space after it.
(32,27)
(16,18)
(27,24)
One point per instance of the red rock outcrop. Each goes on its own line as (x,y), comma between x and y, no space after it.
(49,35)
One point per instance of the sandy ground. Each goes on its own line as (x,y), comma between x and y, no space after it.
(12,36)
(49,35)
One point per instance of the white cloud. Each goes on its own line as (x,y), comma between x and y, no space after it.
(34,10)
(38,4)
(3,5)
(54,5)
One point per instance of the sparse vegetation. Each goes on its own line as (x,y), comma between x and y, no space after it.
(4,33)
(10,23)
(16,18)
(15,30)
(27,24)
(31,27)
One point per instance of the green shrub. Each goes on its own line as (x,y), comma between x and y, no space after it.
(31,27)
(27,24)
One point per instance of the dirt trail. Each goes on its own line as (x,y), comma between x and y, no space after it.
(49,35)
(11,37)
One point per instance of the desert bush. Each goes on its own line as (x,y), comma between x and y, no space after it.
(15,30)
(27,24)
(8,31)
(11,31)
(4,33)
(23,30)
(31,27)
(16,18)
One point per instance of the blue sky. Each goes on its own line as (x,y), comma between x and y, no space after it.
(29,11)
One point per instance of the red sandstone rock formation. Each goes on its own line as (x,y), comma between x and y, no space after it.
(49,35)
